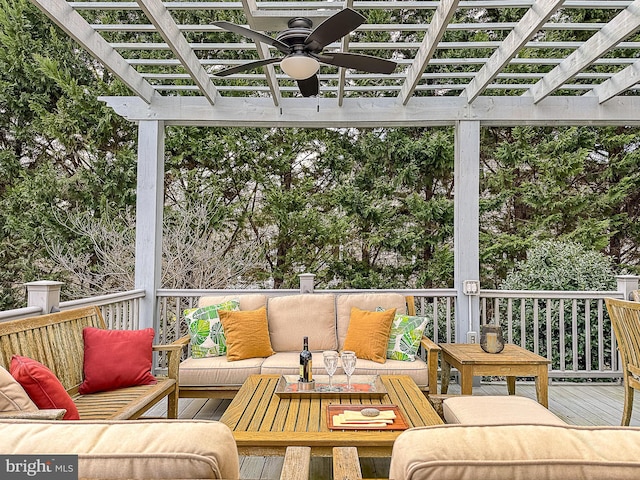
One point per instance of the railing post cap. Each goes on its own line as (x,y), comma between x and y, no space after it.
(307,275)
(44,283)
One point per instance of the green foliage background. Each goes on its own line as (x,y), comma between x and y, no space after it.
(360,208)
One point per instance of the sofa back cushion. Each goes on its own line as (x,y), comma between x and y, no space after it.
(292,317)
(364,301)
(250,301)
(541,452)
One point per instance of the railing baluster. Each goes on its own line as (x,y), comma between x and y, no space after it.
(536,327)
(574,334)
(562,339)
(587,335)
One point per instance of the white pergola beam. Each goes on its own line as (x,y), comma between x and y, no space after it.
(250,7)
(528,25)
(167,28)
(379,111)
(77,28)
(617,84)
(623,25)
(432,37)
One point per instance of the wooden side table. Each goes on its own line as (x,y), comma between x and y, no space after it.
(512,362)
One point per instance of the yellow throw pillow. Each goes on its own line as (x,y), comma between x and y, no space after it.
(368,333)
(247,333)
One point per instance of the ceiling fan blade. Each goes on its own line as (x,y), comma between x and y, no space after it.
(309,86)
(246,66)
(333,28)
(365,63)
(253,35)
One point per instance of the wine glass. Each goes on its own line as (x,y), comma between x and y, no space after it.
(349,365)
(331,364)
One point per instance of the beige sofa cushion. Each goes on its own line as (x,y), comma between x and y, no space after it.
(364,301)
(12,395)
(292,317)
(250,301)
(497,410)
(215,371)
(540,452)
(134,449)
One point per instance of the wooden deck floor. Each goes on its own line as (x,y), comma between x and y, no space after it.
(577,404)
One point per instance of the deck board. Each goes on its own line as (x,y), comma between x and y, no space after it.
(576,404)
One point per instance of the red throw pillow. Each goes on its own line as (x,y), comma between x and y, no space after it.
(116,359)
(42,386)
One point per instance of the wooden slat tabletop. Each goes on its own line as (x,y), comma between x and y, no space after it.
(265,424)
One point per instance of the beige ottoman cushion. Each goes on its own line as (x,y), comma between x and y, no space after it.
(364,301)
(292,317)
(527,452)
(251,301)
(497,410)
(139,449)
(216,371)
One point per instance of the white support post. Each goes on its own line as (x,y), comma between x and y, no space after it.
(149,205)
(466,226)
(626,284)
(307,282)
(44,294)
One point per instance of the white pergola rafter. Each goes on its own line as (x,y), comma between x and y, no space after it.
(623,25)
(342,72)
(77,28)
(436,31)
(617,84)
(166,26)
(530,23)
(250,7)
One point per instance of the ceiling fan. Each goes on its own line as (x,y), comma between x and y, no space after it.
(303,47)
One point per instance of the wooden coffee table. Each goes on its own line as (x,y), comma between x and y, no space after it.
(512,362)
(265,424)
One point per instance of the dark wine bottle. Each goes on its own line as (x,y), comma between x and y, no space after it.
(305,362)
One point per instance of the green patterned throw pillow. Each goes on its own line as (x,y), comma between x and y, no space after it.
(205,329)
(404,341)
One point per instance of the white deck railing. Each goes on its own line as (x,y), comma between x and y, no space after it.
(571,329)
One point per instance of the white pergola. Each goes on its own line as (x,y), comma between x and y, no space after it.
(438,82)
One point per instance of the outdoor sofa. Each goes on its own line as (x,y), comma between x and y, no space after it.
(324,318)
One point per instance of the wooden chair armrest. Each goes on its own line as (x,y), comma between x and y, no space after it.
(44,414)
(297,463)
(429,345)
(174,352)
(433,352)
(346,464)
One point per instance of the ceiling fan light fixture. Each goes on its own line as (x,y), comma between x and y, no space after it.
(299,67)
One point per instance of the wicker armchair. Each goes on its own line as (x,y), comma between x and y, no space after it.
(625,319)
(635,295)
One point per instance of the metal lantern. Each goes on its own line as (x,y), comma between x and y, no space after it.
(491,340)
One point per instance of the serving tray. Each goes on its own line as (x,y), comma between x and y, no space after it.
(399,423)
(363,386)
